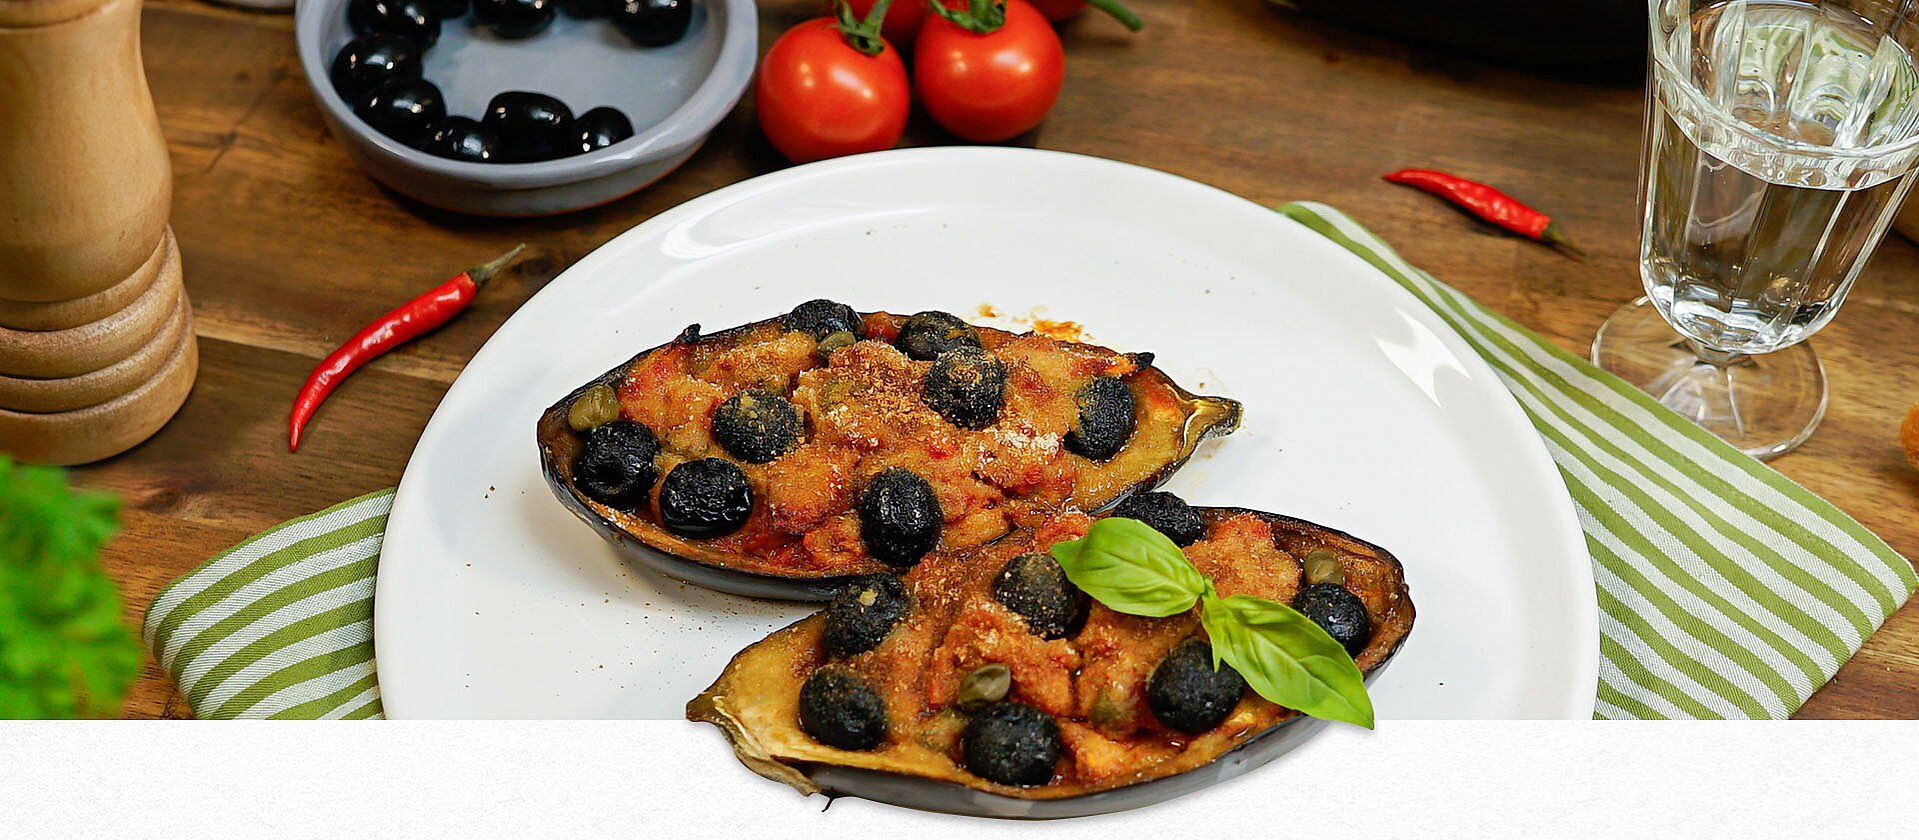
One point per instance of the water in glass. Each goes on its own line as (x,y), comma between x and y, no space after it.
(1768,180)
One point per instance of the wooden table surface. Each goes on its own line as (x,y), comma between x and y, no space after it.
(289,249)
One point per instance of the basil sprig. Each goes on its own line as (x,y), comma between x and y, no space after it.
(1284,656)
(1132,568)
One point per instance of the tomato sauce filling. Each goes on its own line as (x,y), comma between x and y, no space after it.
(1093,682)
(862,412)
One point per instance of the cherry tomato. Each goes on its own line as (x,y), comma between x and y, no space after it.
(991,87)
(903,19)
(1058,10)
(818,97)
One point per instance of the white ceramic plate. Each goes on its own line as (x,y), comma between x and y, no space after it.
(1363,413)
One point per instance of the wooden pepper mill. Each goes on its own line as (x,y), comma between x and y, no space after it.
(96,337)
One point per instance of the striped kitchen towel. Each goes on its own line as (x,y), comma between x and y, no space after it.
(1725,590)
(279,626)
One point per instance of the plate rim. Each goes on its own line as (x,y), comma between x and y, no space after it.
(1576,704)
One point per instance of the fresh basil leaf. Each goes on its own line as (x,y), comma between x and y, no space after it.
(1128,566)
(1286,658)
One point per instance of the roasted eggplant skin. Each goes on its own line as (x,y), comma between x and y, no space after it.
(961,793)
(662,551)
(691,562)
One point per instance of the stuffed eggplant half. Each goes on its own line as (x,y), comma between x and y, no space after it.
(781,458)
(983,682)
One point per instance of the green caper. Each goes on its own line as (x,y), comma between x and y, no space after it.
(832,392)
(835,340)
(1323,567)
(1107,712)
(597,407)
(942,732)
(988,684)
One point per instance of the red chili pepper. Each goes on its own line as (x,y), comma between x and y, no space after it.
(1487,203)
(409,321)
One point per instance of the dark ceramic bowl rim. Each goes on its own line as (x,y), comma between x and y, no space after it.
(687,126)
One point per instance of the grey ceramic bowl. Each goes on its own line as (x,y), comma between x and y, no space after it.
(674,96)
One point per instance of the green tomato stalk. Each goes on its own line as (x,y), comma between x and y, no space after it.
(980,17)
(983,17)
(862,35)
(1119,13)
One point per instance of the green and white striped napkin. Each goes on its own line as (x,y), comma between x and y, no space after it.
(1725,590)
(279,626)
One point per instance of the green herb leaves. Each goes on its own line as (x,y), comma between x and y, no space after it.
(63,648)
(1286,658)
(1126,565)
(1283,655)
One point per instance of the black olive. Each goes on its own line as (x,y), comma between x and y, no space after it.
(1013,744)
(514,18)
(449,9)
(928,334)
(600,128)
(706,498)
(899,517)
(653,23)
(531,126)
(615,467)
(403,109)
(460,138)
(415,19)
(586,9)
(1105,419)
(1035,587)
(373,58)
(1338,612)
(1166,513)
(862,614)
(821,318)
(756,426)
(840,710)
(1187,694)
(967,386)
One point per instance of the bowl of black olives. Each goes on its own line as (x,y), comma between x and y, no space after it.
(524,107)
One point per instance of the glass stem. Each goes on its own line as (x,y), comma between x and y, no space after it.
(1720,359)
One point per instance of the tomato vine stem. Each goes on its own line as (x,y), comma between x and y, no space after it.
(862,35)
(981,17)
(1119,13)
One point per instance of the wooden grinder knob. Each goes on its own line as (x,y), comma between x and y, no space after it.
(96,345)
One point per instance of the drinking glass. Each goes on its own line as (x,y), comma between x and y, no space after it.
(1780,139)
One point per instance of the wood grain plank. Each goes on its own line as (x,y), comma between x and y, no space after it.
(289,248)
(141,559)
